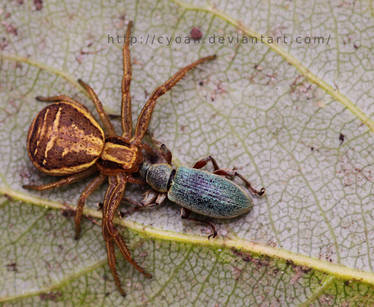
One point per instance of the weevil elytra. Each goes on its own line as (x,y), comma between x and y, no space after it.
(64,139)
(209,194)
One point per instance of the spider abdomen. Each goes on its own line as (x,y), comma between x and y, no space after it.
(64,138)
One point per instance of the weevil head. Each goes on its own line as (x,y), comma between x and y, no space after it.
(158,176)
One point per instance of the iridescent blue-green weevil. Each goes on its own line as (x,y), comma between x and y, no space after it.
(209,194)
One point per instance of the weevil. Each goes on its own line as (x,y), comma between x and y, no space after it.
(214,195)
(64,139)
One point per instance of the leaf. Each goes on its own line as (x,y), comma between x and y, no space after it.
(293,117)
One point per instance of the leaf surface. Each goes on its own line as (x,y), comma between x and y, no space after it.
(295,118)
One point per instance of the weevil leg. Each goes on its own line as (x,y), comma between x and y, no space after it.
(151,200)
(64,181)
(163,151)
(99,108)
(146,113)
(201,163)
(126,115)
(90,188)
(166,153)
(230,173)
(234,173)
(185,214)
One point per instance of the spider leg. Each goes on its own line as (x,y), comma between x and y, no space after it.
(126,115)
(99,108)
(113,197)
(57,99)
(126,254)
(64,181)
(112,200)
(146,113)
(90,188)
(112,263)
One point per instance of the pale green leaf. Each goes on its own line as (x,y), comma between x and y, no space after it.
(295,118)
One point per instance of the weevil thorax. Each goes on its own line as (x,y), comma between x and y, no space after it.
(119,156)
(64,139)
(158,176)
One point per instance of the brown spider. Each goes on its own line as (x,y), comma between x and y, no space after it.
(64,139)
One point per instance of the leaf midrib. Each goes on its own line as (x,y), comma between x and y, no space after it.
(337,270)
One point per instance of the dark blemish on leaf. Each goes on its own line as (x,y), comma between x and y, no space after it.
(12,267)
(196,34)
(289,262)
(20,2)
(246,257)
(271,78)
(312,148)
(7,196)
(356,46)
(107,294)
(3,43)
(82,52)
(50,296)
(201,83)
(341,138)
(68,213)
(236,272)
(305,269)
(10,28)
(38,4)
(299,272)
(219,90)
(258,67)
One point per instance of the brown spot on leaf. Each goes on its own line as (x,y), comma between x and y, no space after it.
(38,4)
(3,43)
(10,28)
(50,296)
(12,267)
(341,138)
(196,34)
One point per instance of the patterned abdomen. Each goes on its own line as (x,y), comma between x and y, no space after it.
(64,139)
(208,194)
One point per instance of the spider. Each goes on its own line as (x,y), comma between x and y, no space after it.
(65,140)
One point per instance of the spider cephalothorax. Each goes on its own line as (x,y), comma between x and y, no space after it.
(65,140)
